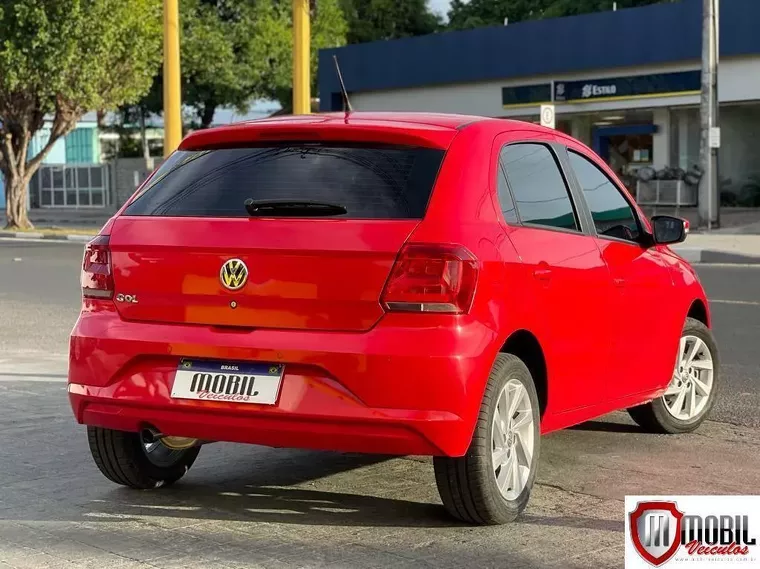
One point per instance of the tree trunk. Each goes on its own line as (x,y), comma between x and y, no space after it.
(16,188)
(207,116)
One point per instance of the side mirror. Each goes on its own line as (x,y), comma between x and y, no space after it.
(668,230)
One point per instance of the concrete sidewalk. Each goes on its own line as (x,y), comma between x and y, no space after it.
(720,248)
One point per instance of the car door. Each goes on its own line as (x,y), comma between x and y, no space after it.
(643,325)
(568,281)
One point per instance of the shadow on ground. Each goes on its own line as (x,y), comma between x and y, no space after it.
(608,427)
(273,486)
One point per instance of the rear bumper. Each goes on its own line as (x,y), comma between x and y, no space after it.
(411,385)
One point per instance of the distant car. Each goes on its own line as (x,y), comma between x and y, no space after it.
(392,283)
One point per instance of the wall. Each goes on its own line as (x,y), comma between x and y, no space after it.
(685,139)
(739,155)
(739,81)
(57,154)
(661,139)
(123,172)
(83,145)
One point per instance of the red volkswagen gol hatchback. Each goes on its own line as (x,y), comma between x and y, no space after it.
(396,283)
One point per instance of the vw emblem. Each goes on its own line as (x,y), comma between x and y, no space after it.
(233,274)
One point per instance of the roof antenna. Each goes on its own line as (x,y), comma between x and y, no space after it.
(346,103)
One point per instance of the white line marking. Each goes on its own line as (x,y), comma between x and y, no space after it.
(30,240)
(6,379)
(743,302)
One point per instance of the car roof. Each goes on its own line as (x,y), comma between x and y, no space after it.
(429,129)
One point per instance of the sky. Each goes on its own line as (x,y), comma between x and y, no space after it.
(440,6)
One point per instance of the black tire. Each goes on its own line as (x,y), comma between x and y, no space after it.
(122,458)
(654,416)
(467,484)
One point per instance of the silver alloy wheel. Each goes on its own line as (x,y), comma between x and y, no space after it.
(689,390)
(512,439)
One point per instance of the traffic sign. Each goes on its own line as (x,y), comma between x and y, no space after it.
(547,116)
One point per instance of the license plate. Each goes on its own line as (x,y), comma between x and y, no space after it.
(236,382)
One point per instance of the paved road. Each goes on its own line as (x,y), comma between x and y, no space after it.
(246,506)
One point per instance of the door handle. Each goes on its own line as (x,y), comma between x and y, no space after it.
(542,274)
(619,282)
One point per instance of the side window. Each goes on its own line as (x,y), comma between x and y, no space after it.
(505,197)
(540,192)
(612,214)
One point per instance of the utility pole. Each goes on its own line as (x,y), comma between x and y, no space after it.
(301,58)
(172,91)
(709,199)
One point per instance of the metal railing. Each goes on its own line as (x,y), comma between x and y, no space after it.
(666,192)
(70,185)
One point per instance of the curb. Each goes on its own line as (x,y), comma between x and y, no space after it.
(699,256)
(46,236)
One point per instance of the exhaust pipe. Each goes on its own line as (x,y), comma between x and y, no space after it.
(151,435)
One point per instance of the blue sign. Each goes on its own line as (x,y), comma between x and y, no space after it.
(659,84)
(526,95)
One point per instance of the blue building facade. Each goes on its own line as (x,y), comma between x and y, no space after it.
(647,36)
(625,82)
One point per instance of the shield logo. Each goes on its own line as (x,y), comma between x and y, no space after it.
(656,530)
(233,274)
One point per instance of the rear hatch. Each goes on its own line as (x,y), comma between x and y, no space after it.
(311,267)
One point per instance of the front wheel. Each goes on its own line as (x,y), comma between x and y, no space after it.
(126,459)
(491,484)
(693,388)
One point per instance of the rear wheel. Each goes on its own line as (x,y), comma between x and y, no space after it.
(693,388)
(127,459)
(491,484)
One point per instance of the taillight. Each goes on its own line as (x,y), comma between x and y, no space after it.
(97,277)
(432,278)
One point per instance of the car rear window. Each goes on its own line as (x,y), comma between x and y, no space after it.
(376,182)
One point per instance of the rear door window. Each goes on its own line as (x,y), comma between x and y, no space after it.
(541,195)
(371,182)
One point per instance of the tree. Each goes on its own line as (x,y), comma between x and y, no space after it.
(478,13)
(274,28)
(574,7)
(370,20)
(59,60)
(234,51)
(222,63)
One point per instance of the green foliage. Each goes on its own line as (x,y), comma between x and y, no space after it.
(370,20)
(274,27)
(61,59)
(477,13)
(85,54)
(234,51)
(221,57)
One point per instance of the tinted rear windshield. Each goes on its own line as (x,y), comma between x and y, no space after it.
(369,181)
